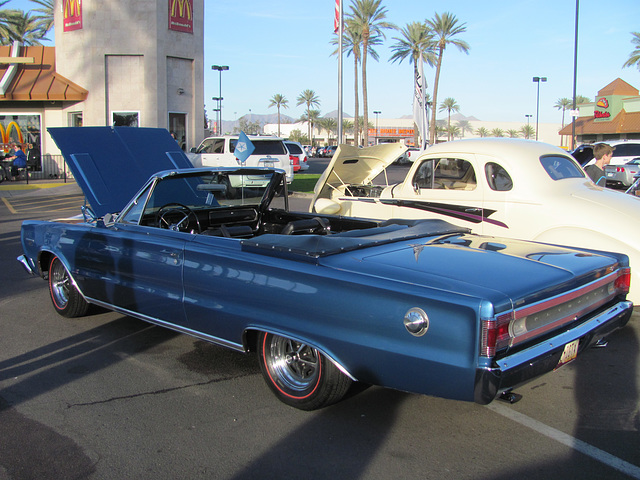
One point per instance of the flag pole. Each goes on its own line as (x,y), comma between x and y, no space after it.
(340,32)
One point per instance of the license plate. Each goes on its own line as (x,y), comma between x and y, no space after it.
(570,352)
(267,162)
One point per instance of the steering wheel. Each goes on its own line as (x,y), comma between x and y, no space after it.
(179,218)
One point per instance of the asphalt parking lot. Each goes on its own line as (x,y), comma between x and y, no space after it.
(109,396)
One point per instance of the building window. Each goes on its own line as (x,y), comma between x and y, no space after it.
(125,119)
(75,119)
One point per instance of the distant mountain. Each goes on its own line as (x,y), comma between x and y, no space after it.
(334,114)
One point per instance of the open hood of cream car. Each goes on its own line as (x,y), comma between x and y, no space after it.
(355,166)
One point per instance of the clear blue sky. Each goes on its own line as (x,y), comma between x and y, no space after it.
(282,46)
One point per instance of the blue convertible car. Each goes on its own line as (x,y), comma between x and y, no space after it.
(420,306)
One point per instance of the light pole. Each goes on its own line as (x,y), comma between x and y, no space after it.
(218,115)
(376,113)
(528,118)
(538,80)
(220,68)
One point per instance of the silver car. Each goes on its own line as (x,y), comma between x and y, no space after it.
(619,176)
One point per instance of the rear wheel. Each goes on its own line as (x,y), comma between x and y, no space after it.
(299,374)
(65,296)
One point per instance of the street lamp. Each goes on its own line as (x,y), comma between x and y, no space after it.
(538,80)
(376,113)
(528,118)
(220,68)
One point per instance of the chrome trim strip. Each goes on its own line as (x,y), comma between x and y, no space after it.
(24,260)
(558,341)
(209,338)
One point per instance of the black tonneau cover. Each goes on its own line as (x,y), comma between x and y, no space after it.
(312,247)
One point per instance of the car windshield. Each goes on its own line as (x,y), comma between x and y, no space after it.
(200,191)
(263,147)
(558,167)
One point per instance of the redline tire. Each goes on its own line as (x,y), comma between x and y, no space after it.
(299,374)
(65,297)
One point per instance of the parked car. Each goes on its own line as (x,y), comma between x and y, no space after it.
(408,156)
(420,306)
(295,150)
(329,151)
(220,152)
(496,186)
(319,152)
(622,176)
(623,152)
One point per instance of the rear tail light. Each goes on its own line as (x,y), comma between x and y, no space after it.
(517,326)
(294,160)
(620,169)
(623,282)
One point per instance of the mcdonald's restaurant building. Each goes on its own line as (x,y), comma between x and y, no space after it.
(615,115)
(122,62)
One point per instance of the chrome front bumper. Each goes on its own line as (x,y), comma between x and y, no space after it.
(527,364)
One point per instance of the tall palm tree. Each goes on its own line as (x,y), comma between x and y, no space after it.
(445,28)
(278,101)
(311,117)
(634,57)
(450,105)
(369,18)
(416,44)
(563,104)
(45,19)
(310,99)
(330,125)
(513,133)
(351,40)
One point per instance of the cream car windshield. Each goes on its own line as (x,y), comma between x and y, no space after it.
(559,168)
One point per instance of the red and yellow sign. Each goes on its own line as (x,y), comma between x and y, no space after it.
(72,15)
(181,15)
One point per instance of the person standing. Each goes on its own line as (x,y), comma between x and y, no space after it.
(602,152)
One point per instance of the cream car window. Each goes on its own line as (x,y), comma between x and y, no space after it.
(497,177)
(445,174)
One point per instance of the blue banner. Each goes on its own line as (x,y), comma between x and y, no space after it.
(244,148)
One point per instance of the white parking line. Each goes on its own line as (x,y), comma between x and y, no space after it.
(571,442)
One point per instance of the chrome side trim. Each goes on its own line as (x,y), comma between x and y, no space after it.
(519,358)
(209,338)
(24,260)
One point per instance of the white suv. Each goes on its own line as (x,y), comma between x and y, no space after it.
(219,152)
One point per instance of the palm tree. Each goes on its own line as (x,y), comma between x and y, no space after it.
(482,132)
(26,29)
(279,101)
(416,44)
(497,132)
(445,28)
(351,43)
(329,125)
(634,57)
(453,131)
(464,126)
(450,105)
(527,131)
(310,99)
(513,133)
(368,18)
(45,19)
(564,104)
(311,117)
(582,99)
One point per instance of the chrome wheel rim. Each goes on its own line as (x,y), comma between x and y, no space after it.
(295,365)
(60,284)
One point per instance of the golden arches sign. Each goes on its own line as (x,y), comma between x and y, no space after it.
(181,15)
(71,8)
(181,9)
(72,15)
(6,134)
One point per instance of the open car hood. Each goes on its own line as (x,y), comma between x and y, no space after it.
(353,165)
(111,164)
